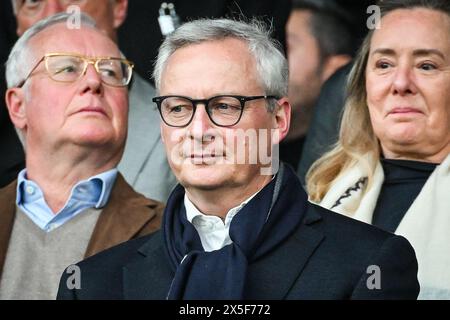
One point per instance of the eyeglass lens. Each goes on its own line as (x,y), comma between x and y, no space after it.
(224,111)
(67,68)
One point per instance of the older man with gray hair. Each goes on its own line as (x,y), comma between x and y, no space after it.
(143,164)
(67,94)
(230,229)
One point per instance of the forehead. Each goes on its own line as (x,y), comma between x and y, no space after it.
(231,50)
(219,65)
(85,40)
(413,28)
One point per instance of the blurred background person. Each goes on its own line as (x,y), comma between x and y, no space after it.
(325,117)
(391,165)
(323,131)
(319,41)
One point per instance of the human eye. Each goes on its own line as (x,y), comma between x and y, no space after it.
(383,65)
(225,108)
(225,105)
(109,72)
(180,111)
(177,107)
(222,106)
(427,66)
(30,4)
(111,69)
(65,68)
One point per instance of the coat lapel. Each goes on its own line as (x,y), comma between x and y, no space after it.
(265,277)
(7,215)
(150,276)
(123,218)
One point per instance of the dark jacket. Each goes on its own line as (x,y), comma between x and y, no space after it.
(329,256)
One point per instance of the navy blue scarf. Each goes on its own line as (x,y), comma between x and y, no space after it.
(260,226)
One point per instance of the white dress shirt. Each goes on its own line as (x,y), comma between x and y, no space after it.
(213,232)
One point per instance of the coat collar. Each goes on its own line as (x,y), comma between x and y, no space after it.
(123,218)
(150,277)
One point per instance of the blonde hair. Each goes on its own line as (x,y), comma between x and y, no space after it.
(356,137)
(357,143)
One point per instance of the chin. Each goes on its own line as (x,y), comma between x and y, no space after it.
(405,136)
(201,182)
(94,137)
(202,176)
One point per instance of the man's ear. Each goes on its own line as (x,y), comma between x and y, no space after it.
(120,12)
(332,63)
(15,102)
(282,118)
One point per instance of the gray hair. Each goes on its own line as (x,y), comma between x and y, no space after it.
(271,63)
(20,59)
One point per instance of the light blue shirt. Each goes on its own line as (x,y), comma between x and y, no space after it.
(91,193)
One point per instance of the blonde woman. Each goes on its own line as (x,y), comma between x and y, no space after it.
(391,165)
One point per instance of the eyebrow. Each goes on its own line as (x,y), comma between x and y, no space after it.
(416,53)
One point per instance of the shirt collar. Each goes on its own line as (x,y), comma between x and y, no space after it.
(29,191)
(192,212)
(107,180)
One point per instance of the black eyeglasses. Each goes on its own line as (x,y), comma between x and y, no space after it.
(223,110)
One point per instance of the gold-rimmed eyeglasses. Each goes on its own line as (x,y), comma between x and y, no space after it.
(69,67)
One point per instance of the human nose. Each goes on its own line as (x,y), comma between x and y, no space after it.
(200,127)
(91,79)
(404,81)
(52,7)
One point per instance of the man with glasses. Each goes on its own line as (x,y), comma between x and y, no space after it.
(144,163)
(67,94)
(237,227)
